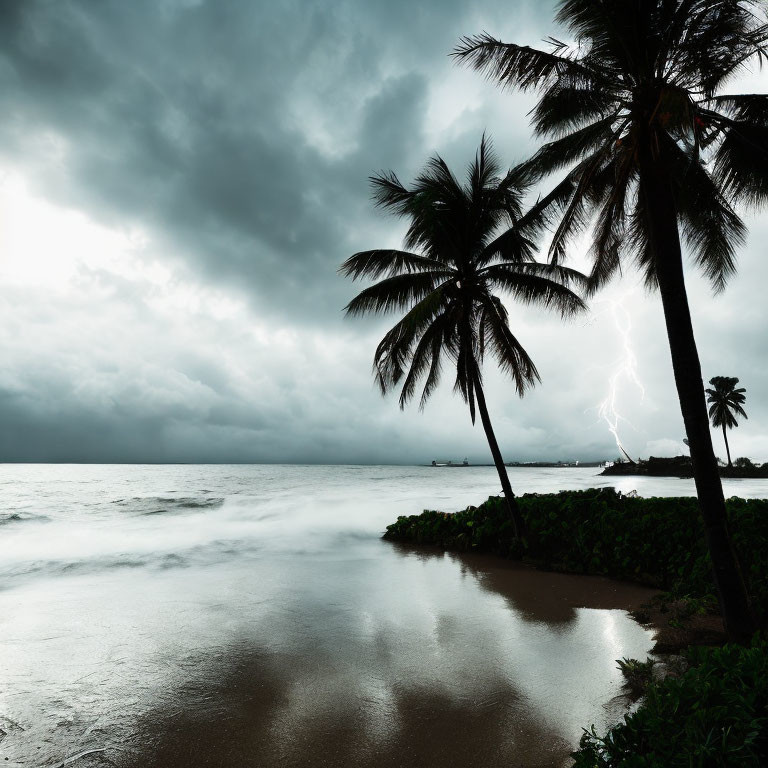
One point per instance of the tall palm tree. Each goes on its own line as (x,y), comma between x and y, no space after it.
(725,400)
(654,151)
(445,283)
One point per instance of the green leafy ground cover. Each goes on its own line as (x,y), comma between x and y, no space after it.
(655,541)
(716,714)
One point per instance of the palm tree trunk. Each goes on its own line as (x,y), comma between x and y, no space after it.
(727,449)
(514,510)
(659,203)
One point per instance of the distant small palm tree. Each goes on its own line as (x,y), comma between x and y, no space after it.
(446,280)
(725,400)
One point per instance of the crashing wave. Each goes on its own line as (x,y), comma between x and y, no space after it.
(20,517)
(162,505)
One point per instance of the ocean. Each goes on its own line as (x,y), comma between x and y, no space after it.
(178,615)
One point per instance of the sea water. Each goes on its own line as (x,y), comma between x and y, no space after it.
(177,615)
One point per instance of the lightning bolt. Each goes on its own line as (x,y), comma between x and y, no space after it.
(625,371)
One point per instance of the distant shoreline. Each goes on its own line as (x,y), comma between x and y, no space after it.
(521,465)
(680,466)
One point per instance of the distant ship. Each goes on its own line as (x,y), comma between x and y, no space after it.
(464,463)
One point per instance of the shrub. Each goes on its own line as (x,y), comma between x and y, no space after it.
(656,541)
(715,714)
(637,674)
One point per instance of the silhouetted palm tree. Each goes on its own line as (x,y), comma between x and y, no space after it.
(654,151)
(725,400)
(446,280)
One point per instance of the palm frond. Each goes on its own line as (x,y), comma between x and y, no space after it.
(387,262)
(639,238)
(515,181)
(518,243)
(438,209)
(579,208)
(433,375)
(743,107)
(389,193)
(566,108)
(510,246)
(425,361)
(607,244)
(574,146)
(467,371)
(738,409)
(718,38)
(610,30)
(398,292)
(609,238)
(512,358)
(544,285)
(710,227)
(437,184)
(582,191)
(518,66)
(741,162)
(484,171)
(546,209)
(394,350)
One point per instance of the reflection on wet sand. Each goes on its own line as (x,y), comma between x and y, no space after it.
(336,707)
(416,659)
(259,709)
(537,595)
(277,629)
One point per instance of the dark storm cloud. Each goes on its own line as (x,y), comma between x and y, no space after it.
(240,133)
(238,137)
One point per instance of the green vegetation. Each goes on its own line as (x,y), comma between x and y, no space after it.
(656,156)
(447,289)
(725,400)
(637,674)
(715,714)
(655,541)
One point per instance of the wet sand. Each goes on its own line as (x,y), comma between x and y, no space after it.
(257,632)
(452,696)
(234,714)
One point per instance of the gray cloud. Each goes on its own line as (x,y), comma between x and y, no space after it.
(237,137)
(240,133)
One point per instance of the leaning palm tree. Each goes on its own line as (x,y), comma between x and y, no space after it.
(445,284)
(725,401)
(653,150)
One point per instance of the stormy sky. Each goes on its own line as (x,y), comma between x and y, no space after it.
(179,181)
